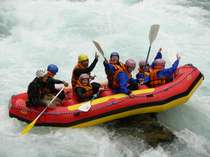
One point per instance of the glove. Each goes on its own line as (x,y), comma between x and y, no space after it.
(65,84)
(95,96)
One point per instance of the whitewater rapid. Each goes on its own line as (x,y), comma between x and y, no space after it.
(35,33)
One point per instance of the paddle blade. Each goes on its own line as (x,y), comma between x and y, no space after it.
(85,106)
(27,129)
(153,33)
(98,47)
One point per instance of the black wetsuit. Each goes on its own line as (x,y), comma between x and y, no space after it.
(36,92)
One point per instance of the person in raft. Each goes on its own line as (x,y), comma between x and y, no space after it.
(84,90)
(111,66)
(144,67)
(82,68)
(53,84)
(37,89)
(159,75)
(122,79)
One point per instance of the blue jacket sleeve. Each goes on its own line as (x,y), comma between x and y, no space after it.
(168,72)
(139,76)
(158,56)
(123,80)
(109,68)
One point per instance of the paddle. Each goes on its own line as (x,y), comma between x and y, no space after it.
(87,105)
(152,36)
(31,125)
(99,49)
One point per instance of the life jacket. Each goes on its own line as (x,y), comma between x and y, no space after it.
(145,73)
(88,91)
(115,82)
(117,67)
(74,78)
(154,80)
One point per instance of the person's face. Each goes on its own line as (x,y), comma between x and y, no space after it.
(130,69)
(85,81)
(85,63)
(115,59)
(44,78)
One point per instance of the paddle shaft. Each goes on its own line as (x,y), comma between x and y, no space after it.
(148,54)
(50,103)
(31,125)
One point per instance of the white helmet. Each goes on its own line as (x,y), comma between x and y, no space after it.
(160,62)
(41,73)
(130,63)
(84,76)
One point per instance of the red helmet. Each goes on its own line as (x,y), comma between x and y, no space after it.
(142,63)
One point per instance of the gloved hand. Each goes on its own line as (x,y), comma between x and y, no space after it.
(160,50)
(178,57)
(95,96)
(65,84)
(96,55)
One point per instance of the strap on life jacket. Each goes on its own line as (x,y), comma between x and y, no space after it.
(115,82)
(88,91)
(75,78)
(117,67)
(154,80)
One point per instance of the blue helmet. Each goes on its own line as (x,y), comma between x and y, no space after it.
(52,68)
(115,54)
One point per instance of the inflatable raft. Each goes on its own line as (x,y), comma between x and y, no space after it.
(114,106)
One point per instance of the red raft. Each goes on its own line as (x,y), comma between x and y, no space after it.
(112,106)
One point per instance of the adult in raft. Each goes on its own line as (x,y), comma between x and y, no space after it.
(37,89)
(82,68)
(111,66)
(84,90)
(159,75)
(53,84)
(122,79)
(144,68)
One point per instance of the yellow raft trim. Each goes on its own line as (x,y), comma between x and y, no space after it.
(160,108)
(115,96)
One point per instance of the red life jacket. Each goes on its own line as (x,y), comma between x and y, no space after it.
(75,78)
(154,80)
(88,91)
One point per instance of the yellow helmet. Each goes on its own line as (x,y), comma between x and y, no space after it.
(82,57)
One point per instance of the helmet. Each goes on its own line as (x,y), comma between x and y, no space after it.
(52,68)
(130,63)
(159,62)
(115,54)
(84,76)
(41,73)
(82,57)
(142,63)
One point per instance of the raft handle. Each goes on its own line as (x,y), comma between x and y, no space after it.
(149,95)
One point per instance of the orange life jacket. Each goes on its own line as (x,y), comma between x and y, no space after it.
(88,91)
(145,73)
(117,67)
(74,78)
(115,82)
(154,80)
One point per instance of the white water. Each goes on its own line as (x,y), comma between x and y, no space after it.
(34,33)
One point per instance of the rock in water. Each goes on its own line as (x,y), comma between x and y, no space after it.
(145,126)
